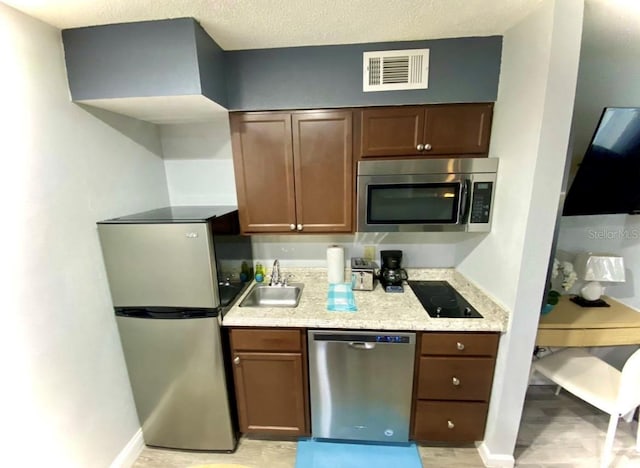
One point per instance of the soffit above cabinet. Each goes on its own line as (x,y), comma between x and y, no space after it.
(162,109)
(166,71)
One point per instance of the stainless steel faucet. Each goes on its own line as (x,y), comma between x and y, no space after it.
(275,274)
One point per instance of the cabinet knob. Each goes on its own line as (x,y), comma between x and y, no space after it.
(427,147)
(455,381)
(299,227)
(292,227)
(236,360)
(460,346)
(420,147)
(450,424)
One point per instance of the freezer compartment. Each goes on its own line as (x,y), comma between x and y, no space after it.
(361,385)
(170,265)
(177,375)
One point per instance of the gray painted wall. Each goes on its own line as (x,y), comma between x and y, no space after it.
(149,58)
(211,64)
(176,57)
(460,70)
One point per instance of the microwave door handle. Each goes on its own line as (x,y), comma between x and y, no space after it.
(465,201)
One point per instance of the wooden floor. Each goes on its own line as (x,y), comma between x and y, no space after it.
(563,431)
(556,432)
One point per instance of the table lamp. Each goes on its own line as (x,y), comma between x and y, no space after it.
(594,268)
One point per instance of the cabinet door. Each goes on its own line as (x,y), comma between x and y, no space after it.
(457,129)
(270,393)
(393,131)
(323,166)
(263,165)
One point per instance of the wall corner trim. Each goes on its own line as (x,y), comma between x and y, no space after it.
(494,460)
(128,455)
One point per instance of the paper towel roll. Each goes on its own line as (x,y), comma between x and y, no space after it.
(335,264)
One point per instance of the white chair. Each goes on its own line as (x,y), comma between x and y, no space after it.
(599,384)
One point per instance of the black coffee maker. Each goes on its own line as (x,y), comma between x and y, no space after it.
(391,275)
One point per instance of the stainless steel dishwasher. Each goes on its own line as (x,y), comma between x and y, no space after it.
(361,384)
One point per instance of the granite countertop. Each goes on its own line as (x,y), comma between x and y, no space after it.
(377,310)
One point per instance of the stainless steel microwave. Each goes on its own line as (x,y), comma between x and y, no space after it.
(413,195)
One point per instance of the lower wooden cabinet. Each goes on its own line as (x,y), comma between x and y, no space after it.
(454,374)
(270,376)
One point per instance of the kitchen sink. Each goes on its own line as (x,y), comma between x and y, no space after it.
(262,295)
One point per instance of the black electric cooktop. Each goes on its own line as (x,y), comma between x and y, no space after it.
(441,300)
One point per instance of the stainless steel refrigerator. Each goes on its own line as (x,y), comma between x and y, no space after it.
(173,272)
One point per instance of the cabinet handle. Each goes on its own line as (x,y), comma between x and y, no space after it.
(460,346)
(420,147)
(299,227)
(236,360)
(450,424)
(292,227)
(455,381)
(427,147)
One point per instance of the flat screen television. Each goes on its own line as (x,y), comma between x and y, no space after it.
(608,179)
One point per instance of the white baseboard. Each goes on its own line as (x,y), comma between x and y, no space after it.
(494,460)
(130,452)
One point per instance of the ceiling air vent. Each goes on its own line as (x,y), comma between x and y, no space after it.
(395,69)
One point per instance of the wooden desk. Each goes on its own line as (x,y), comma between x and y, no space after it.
(568,324)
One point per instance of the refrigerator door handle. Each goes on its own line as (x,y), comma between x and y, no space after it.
(134,313)
(165,312)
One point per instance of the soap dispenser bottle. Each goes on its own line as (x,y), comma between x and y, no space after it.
(259,273)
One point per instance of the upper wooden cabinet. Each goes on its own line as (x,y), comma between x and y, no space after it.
(293,170)
(263,165)
(439,129)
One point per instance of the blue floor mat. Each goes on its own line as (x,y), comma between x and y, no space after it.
(321,454)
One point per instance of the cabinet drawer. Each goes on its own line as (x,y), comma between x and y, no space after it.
(459,378)
(257,339)
(459,344)
(449,421)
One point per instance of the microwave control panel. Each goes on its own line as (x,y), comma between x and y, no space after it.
(481,202)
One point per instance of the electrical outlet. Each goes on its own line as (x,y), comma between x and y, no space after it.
(370,252)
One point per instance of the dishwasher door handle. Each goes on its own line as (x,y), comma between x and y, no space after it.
(362,345)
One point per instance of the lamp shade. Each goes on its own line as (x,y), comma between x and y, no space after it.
(600,267)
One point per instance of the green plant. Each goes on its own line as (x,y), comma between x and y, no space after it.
(553,297)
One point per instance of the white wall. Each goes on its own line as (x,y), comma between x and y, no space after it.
(199,162)
(530,136)
(432,250)
(66,399)
(608,76)
(617,234)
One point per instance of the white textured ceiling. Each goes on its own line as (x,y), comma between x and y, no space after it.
(256,24)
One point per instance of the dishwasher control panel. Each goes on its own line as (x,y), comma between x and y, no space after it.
(405,339)
(391,339)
